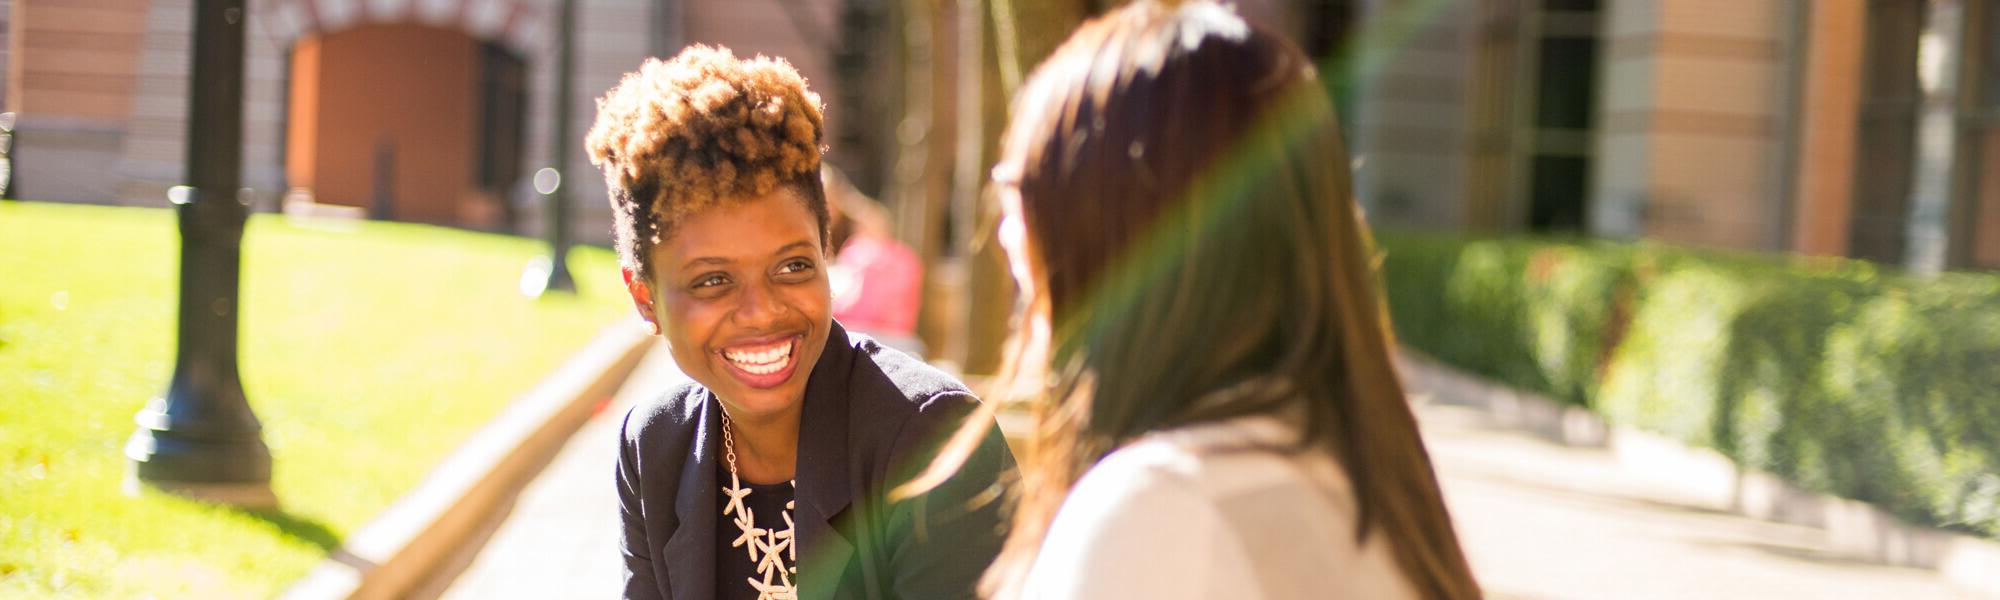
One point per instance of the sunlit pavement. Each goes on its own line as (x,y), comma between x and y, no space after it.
(561,539)
(1540,520)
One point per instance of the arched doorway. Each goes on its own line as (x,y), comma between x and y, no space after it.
(407,122)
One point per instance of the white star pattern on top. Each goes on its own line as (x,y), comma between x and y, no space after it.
(769,548)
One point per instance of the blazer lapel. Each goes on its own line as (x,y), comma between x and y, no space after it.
(690,550)
(824,491)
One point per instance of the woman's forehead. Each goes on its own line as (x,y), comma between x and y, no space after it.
(760,227)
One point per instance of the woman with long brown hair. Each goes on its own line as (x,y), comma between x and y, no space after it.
(1222,417)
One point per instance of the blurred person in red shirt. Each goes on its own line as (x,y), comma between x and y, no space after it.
(878,281)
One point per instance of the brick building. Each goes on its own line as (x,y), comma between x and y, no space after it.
(419,110)
(1866,128)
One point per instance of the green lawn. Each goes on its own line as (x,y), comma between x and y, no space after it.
(369,350)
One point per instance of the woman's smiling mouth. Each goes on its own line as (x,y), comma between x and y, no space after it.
(763,364)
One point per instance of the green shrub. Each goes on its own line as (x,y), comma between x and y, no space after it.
(1874,386)
(1532,316)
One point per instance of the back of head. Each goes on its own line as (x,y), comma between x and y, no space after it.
(1175,171)
(1195,246)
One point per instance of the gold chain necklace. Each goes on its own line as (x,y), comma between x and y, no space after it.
(775,552)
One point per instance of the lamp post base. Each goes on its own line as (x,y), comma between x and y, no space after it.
(251,496)
(231,468)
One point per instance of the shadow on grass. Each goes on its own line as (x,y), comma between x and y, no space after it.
(297,527)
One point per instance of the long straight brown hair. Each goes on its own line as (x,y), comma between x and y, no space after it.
(1196,254)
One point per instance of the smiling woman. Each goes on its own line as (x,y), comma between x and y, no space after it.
(743,303)
(713,168)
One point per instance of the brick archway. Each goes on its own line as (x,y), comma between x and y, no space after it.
(518,25)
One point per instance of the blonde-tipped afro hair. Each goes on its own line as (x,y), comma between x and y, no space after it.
(705,127)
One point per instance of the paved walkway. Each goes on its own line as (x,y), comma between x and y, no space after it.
(561,539)
(1538,521)
(1544,521)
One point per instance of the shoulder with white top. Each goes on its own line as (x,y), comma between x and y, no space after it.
(1215,510)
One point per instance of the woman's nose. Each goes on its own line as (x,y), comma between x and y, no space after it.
(758,305)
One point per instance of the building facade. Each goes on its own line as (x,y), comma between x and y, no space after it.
(434,111)
(1865,128)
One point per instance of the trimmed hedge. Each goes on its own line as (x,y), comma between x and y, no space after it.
(1840,376)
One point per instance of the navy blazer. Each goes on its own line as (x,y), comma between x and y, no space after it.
(873,417)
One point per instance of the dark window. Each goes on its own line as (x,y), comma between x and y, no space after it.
(503,98)
(1566,83)
(1886,137)
(1558,188)
(1575,5)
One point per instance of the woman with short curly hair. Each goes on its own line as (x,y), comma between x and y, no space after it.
(767,475)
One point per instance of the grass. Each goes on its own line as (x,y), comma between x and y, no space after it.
(369,352)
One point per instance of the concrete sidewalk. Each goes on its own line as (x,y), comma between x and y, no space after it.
(1538,520)
(1541,520)
(560,539)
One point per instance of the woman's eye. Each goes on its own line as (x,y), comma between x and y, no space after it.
(796,266)
(710,281)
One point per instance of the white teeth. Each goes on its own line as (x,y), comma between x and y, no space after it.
(762,362)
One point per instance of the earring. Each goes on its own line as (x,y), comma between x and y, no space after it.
(652,328)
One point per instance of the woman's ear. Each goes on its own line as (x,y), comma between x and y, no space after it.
(642,299)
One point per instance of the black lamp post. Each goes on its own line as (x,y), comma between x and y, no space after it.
(200,439)
(553,274)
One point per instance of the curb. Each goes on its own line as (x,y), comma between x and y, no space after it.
(395,552)
(1856,529)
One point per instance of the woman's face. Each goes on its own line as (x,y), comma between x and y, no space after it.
(1014,241)
(1013,230)
(743,300)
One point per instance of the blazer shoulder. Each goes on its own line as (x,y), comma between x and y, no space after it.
(884,372)
(672,415)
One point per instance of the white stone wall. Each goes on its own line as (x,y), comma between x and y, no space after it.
(151,158)
(1411,129)
(614,38)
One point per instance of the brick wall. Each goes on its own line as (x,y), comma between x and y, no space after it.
(70,74)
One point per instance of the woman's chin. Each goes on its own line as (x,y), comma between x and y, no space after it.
(765,375)
(755,393)
(759,408)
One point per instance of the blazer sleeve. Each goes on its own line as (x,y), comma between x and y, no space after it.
(636,550)
(940,543)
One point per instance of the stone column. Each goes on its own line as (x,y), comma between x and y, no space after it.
(1687,123)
